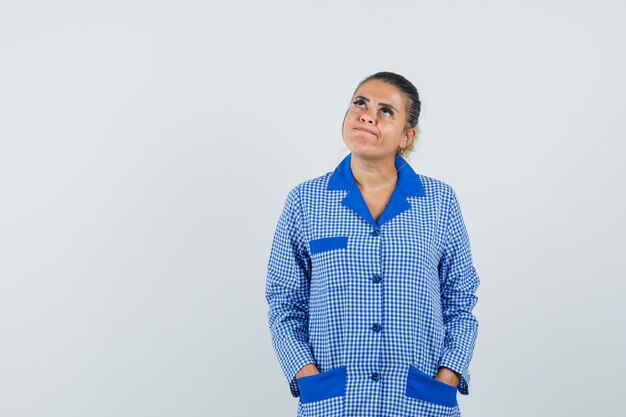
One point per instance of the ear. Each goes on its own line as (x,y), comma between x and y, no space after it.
(409,136)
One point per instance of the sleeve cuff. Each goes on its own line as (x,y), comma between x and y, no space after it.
(463,374)
(293,384)
(293,356)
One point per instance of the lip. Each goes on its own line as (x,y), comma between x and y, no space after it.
(365,130)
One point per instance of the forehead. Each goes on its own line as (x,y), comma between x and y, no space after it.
(379,91)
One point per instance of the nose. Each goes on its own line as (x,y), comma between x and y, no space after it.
(365,117)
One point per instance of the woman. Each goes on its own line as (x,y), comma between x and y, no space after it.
(370,280)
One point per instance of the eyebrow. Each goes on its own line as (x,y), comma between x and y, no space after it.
(380,104)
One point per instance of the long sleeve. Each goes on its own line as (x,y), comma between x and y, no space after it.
(287,292)
(459,282)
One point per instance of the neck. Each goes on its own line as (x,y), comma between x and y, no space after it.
(374,175)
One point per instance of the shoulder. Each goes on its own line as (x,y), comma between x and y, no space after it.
(436,188)
(311,187)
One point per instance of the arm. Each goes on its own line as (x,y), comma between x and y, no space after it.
(287,293)
(459,282)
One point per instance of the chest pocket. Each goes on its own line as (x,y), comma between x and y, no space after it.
(328,243)
(329,264)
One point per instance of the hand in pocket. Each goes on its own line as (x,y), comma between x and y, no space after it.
(447,376)
(307,370)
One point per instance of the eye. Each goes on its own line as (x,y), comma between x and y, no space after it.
(388,110)
(358,102)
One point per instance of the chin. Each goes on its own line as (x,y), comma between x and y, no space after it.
(363,150)
(361,140)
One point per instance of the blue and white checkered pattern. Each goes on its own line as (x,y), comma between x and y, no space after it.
(377,306)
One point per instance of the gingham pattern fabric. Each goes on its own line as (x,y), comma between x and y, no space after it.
(378,306)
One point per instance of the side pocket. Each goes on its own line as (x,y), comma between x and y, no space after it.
(322,386)
(426,388)
(328,243)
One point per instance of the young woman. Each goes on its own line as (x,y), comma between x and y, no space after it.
(370,281)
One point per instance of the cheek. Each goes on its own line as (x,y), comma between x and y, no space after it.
(348,118)
(392,132)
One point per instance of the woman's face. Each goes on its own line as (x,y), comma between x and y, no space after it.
(374,126)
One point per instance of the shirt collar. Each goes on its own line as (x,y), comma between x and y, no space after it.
(409,184)
(408,181)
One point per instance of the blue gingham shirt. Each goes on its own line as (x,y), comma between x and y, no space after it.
(377,306)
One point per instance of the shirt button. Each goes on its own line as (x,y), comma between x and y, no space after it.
(376,232)
(375,376)
(376,278)
(376,327)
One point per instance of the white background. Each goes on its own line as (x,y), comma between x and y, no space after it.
(147,148)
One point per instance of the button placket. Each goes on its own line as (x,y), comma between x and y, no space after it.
(376,278)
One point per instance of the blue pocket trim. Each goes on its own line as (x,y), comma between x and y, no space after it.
(328,243)
(324,385)
(424,387)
